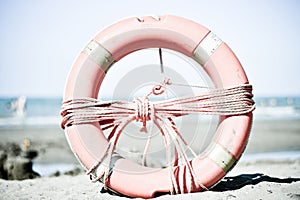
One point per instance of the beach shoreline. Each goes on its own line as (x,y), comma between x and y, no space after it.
(265,136)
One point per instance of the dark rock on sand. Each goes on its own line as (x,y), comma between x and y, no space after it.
(74,172)
(16,162)
(3,158)
(30,154)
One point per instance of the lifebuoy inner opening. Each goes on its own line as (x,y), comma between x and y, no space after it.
(133,77)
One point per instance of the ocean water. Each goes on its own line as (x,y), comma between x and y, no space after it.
(41,112)
(35,112)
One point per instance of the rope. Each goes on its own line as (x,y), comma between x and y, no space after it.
(118,114)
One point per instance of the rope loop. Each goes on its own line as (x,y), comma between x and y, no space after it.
(142,111)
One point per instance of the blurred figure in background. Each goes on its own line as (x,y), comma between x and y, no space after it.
(19,106)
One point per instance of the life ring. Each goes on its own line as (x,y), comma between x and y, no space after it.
(88,142)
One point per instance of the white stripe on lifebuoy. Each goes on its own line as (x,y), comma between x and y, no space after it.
(99,55)
(206,48)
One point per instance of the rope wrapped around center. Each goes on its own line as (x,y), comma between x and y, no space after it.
(118,114)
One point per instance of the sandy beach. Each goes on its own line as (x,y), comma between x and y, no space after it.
(248,180)
(260,174)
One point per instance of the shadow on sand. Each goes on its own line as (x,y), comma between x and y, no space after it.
(237,182)
(230,183)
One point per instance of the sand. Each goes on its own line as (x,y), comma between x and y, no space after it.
(255,180)
(254,177)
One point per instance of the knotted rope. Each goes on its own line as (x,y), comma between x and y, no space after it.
(118,114)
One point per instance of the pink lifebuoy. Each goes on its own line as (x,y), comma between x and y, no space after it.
(88,142)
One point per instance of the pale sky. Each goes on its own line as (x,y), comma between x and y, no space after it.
(39,40)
